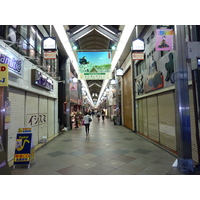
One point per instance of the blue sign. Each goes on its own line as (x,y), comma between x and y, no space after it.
(23,146)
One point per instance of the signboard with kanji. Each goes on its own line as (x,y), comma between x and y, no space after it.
(24,149)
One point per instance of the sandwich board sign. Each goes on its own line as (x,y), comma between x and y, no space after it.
(24,148)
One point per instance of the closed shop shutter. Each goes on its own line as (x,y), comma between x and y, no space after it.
(140,116)
(152,109)
(42,117)
(50,117)
(32,116)
(167,120)
(17,102)
(193,127)
(144,116)
(127,100)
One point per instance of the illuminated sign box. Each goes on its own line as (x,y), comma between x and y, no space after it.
(119,72)
(137,45)
(15,64)
(40,79)
(49,43)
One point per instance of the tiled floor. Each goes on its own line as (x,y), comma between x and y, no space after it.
(108,150)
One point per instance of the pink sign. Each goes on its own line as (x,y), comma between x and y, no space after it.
(164,39)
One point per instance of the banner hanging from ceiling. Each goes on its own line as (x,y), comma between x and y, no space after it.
(94,65)
(164,39)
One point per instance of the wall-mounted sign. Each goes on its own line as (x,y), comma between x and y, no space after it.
(137,45)
(15,64)
(119,72)
(50,55)
(164,39)
(138,56)
(49,43)
(40,79)
(3,75)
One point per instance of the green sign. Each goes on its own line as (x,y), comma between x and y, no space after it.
(94,65)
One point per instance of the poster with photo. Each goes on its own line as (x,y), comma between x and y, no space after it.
(164,39)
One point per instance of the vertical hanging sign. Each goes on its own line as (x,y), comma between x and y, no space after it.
(164,39)
(24,149)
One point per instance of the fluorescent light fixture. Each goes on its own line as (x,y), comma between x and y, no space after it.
(108,29)
(80,29)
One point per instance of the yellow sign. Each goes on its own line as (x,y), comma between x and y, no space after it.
(3,75)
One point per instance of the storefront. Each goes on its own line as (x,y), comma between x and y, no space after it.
(33,102)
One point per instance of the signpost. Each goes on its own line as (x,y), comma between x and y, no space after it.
(24,149)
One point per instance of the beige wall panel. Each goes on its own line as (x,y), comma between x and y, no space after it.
(152,110)
(127,100)
(167,120)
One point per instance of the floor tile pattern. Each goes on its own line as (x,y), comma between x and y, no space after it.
(108,150)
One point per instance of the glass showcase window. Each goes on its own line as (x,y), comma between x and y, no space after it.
(23,39)
(32,42)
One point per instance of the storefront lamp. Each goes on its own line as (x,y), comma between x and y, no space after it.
(75,47)
(119,72)
(74,80)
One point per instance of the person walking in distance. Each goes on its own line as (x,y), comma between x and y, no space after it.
(103,115)
(98,115)
(87,119)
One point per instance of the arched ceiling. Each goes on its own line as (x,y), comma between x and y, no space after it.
(94,38)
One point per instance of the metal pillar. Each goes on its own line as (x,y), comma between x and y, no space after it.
(185,162)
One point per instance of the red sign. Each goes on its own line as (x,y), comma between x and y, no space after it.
(138,56)
(50,55)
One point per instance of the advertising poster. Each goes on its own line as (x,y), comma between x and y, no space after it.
(24,147)
(3,75)
(164,39)
(94,65)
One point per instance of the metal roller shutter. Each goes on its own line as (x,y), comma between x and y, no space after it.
(167,120)
(152,109)
(42,117)
(50,116)
(17,101)
(144,117)
(193,128)
(32,117)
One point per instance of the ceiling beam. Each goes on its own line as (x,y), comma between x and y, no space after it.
(113,37)
(81,33)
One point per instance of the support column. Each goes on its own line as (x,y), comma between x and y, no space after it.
(185,162)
